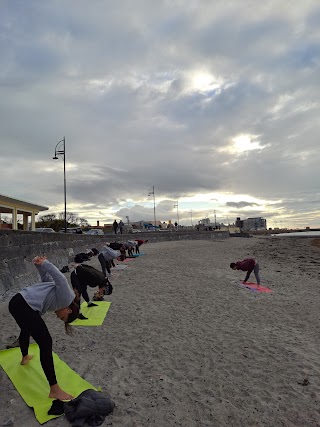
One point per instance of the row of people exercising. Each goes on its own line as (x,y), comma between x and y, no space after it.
(53,294)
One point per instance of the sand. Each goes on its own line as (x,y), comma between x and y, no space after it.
(184,345)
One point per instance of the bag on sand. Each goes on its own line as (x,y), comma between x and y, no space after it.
(109,288)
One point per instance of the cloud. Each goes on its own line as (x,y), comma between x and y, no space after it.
(240,205)
(185,98)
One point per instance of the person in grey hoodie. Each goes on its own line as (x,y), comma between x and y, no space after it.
(106,257)
(28,306)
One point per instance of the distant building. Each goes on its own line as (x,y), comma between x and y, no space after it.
(251,224)
(204,221)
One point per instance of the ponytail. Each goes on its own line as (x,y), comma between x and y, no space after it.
(72,316)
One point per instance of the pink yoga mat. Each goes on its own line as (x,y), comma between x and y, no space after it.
(254,287)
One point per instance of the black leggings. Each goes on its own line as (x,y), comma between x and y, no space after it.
(32,325)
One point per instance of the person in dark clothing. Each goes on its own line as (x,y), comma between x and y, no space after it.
(115,226)
(117,246)
(121,225)
(248,265)
(27,308)
(83,276)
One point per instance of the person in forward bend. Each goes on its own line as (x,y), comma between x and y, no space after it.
(118,246)
(129,248)
(106,258)
(248,265)
(54,294)
(134,245)
(139,243)
(83,276)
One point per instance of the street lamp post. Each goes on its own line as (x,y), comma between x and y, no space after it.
(151,193)
(60,150)
(177,206)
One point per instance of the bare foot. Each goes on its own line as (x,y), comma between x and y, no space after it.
(57,393)
(26,359)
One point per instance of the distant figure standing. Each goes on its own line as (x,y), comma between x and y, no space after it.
(115,226)
(121,225)
(248,265)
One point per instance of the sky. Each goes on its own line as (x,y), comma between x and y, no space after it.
(186,109)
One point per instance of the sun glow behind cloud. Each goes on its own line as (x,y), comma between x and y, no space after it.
(204,82)
(243,143)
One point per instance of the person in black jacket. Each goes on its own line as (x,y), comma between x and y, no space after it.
(115,226)
(83,276)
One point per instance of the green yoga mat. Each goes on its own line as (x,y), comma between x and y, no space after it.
(31,383)
(95,315)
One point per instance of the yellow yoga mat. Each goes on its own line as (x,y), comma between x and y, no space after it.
(31,383)
(95,315)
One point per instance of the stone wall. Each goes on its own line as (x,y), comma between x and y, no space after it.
(18,248)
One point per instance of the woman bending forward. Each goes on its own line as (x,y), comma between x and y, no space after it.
(27,308)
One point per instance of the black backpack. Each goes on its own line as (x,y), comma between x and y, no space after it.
(109,288)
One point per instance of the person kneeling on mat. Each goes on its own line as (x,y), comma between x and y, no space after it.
(27,308)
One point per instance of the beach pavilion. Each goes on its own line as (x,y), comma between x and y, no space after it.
(15,207)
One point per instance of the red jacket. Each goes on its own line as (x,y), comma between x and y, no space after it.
(246,265)
(140,242)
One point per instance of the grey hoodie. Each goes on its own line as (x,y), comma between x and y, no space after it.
(109,253)
(52,293)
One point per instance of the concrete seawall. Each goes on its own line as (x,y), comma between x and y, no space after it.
(18,248)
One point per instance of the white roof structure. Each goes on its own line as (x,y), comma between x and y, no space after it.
(9,205)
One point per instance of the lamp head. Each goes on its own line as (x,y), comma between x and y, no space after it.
(55,158)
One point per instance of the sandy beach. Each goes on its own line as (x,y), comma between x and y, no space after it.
(184,345)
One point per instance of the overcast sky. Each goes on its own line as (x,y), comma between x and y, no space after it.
(214,103)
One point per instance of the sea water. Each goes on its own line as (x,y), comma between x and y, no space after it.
(298,234)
